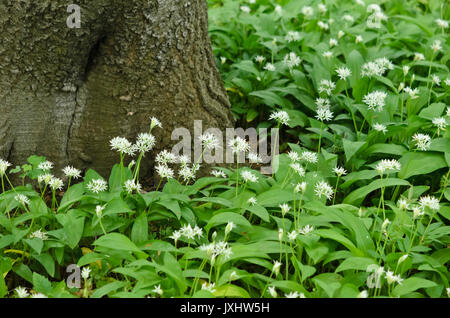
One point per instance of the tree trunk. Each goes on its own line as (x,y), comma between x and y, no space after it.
(64,93)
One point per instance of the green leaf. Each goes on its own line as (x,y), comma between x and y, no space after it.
(417,163)
(333,235)
(271,99)
(329,282)
(139,232)
(108,288)
(351,148)
(411,284)
(117,241)
(74,194)
(355,263)
(73,227)
(359,194)
(47,261)
(226,217)
(116,206)
(41,284)
(230,290)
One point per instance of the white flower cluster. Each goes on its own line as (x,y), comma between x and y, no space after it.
(4,166)
(280,116)
(422,141)
(323,109)
(377,67)
(97,185)
(291,60)
(375,100)
(322,188)
(387,165)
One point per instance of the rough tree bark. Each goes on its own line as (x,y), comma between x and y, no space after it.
(64,93)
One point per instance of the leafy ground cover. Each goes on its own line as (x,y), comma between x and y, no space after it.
(358,207)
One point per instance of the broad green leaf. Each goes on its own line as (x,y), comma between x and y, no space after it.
(357,196)
(352,147)
(412,284)
(355,263)
(230,290)
(139,232)
(225,217)
(417,163)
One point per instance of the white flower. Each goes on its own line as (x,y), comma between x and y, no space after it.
(300,187)
(376,68)
(417,212)
(157,289)
(391,278)
(293,156)
(422,141)
(348,18)
(238,145)
(155,122)
(418,57)
(386,222)
(252,201)
(429,201)
(411,92)
(209,141)
(191,232)
(436,46)
(245,9)
(276,267)
(292,236)
(223,60)
(306,230)
(294,294)
(131,185)
(322,188)
(285,208)
(278,9)
(333,42)
(259,59)
(324,114)
(165,157)
(435,80)
(270,67)
(46,178)
(122,145)
(72,172)
(22,199)
(39,234)
(97,185)
(447,82)
(272,291)
(38,295)
(292,36)
(99,211)
(440,123)
(187,173)
(291,60)
(144,143)
(402,259)
(323,103)
(230,226)
(209,287)
(322,8)
(380,127)
(22,292)
(4,166)
(280,116)
(46,166)
(323,25)
(375,100)
(327,54)
(56,184)
(359,39)
(254,158)
(341,34)
(298,168)
(85,272)
(248,176)
(339,171)
(363,294)
(219,174)
(175,236)
(307,11)
(164,171)
(387,165)
(403,204)
(280,234)
(442,23)
(343,72)
(326,86)
(310,157)
(377,16)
